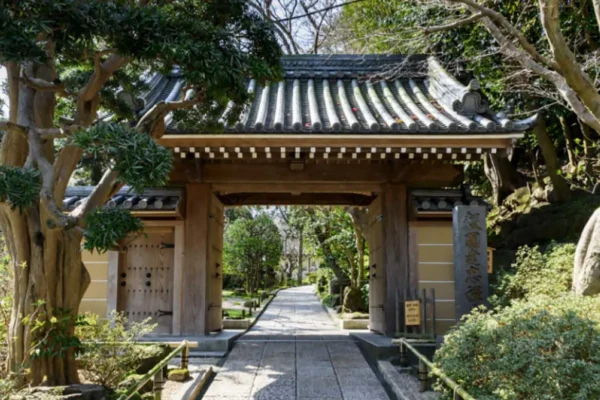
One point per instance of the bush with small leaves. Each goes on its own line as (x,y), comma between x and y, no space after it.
(110,348)
(537,349)
(19,187)
(536,272)
(105,227)
(138,159)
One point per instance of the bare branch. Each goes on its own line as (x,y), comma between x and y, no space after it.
(511,51)
(514,32)
(453,25)
(153,121)
(571,70)
(98,197)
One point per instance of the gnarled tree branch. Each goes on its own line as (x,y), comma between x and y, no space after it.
(453,25)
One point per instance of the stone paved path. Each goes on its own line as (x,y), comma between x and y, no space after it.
(295,352)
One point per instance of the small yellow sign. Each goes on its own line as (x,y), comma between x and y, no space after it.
(490,259)
(412,312)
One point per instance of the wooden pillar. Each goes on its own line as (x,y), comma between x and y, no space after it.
(395,248)
(194,290)
(202,271)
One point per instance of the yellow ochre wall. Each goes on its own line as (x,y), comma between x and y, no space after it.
(435,260)
(94,299)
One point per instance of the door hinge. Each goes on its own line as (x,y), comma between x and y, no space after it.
(167,246)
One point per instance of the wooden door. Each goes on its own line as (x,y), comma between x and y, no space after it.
(215,267)
(377,284)
(146,279)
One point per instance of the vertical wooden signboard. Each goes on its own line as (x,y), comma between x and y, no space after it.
(470,258)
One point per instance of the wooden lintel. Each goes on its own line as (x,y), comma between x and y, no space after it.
(424,174)
(290,141)
(368,176)
(292,187)
(286,199)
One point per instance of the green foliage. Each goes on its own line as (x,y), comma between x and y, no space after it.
(6,298)
(105,227)
(215,44)
(19,187)
(312,278)
(53,337)
(110,350)
(138,159)
(535,272)
(331,300)
(251,248)
(540,349)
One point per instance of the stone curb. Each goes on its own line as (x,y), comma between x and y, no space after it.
(253,322)
(198,385)
(403,386)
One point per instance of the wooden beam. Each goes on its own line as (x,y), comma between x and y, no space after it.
(289,187)
(310,173)
(326,140)
(427,175)
(415,174)
(352,199)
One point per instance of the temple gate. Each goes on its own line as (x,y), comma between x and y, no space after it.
(383,132)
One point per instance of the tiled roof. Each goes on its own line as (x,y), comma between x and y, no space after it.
(356,94)
(443,200)
(149,200)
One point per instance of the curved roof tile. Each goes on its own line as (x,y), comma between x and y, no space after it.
(357,94)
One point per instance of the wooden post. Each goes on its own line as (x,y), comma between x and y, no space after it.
(185,357)
(423,376)
(424,311)
(159,383)
(194,290)
(397,313)
(403,312)
(403,355)
(395,247)
(433,333)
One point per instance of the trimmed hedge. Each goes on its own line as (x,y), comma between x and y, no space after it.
(542,348)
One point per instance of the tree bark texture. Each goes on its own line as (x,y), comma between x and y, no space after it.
(586,274)
(503,176)
(48,271)
(560,186)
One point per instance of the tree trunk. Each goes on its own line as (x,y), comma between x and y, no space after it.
(49,277)
(569,144)
(586,274)
(503,176)
(360,242)
(587,144)
(560,187)
(300,251)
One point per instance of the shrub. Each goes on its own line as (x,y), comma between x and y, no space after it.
(540,348)
(331,300)
(312,278)
(535,272)
(110,352)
